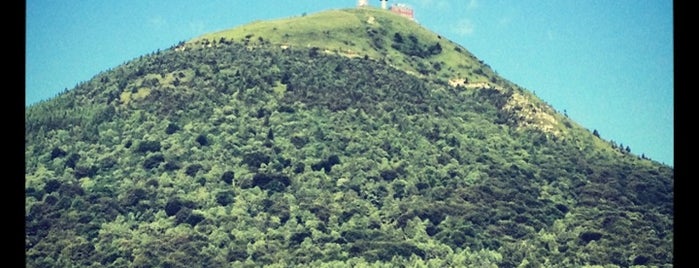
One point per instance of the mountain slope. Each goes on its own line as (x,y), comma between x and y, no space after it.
(300,143)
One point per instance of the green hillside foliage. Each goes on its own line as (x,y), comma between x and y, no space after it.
(233,155)
(370,32)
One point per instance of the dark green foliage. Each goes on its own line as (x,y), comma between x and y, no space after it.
(389,175)
(398,38)
(271,182)
(31,191)
(586,237)
(641,260)
(414,168)
(152,183)
(193,169)
(52,185)
(385,251)
(413,47)
(84,171)
(57,152)
(153,161)
(148,146)
(255,159)
(270,134)
(50,200)
(172,165)
(171,128)
(562,208)
(133,196)
(173,206)
(299,167)
(202,140)
(297,238)
(327,164)
(299,141)
(228,177)
(72,160)
(186,215)
(71,189)
(313,53)
(224,198)
(107,163)
(286,109)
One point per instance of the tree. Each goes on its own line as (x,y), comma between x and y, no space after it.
(193,169)
(398,38)
(202,140)
(171,128)
(148,146)
(57,152)
(228,177)
(153,161)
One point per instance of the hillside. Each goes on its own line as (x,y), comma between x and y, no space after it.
(343,138)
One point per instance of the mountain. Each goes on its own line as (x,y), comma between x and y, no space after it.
(349,137)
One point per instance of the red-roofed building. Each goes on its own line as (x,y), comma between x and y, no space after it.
(403,10)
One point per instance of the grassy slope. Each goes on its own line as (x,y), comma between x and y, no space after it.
(348,32)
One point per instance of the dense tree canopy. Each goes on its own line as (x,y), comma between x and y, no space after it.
(232,155)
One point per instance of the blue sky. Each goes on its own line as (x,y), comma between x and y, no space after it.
(607,64)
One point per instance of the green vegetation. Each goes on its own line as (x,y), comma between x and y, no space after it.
(365,32)
(248,155)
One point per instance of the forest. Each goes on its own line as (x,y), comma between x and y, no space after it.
(240,156)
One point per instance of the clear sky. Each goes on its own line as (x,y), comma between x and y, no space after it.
(607,64)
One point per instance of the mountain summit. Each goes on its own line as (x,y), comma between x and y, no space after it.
(349,137)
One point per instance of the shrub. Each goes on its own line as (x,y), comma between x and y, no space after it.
(398,38)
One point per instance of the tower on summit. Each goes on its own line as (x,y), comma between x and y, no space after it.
(384,4)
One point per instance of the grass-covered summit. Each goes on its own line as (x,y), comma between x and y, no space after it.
(343,138)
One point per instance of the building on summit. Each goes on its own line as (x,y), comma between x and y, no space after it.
(403,10)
